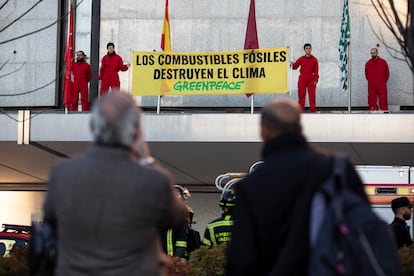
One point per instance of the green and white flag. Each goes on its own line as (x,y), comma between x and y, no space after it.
(343,46)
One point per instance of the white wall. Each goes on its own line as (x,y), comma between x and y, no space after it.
(18,207)
(30,62)
(216,25)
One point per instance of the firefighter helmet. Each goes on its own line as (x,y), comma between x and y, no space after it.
(182,192)
(227,198)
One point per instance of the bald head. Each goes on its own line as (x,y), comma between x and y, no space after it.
(115,119)
(280,116)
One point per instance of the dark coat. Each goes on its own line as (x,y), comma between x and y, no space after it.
(267,236)
(401,232)
(105,209)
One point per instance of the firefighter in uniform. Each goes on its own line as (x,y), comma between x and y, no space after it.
(219,230)
(174,240)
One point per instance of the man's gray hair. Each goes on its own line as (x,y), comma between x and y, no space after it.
(115,119)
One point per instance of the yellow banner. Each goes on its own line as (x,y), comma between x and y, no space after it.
(212,73)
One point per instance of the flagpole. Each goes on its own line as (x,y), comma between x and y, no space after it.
(349,60)
(349,78)
(251,104)
(290,70)
(158,102)
(67,86)
(130,71)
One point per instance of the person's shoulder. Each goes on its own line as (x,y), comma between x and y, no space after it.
(66,167)
(64,163)
(59,165)
(82,64)
(216,220)
(397,222)
(255,179)
(393,224)
(398,227)
(159,179)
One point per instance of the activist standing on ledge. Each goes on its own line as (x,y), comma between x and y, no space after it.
(377,74)
(82,75)
(308,77)
(111,64)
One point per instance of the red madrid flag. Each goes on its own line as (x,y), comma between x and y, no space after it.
(251,41)
(67,89)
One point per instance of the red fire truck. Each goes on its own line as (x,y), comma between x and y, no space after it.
(384,183)
(12,236)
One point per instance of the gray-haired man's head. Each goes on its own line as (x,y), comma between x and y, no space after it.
(115,119)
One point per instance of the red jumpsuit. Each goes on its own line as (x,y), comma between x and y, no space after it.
(307,79)
(82,75)
(110,66)
(377,74)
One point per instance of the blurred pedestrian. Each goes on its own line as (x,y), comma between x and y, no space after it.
(180,241)
(174,240)
(266,237)
(402,210)
(105,207)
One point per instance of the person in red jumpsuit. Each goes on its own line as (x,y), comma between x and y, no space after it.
(308,77)
(110,66)
(82,75)
(377,74)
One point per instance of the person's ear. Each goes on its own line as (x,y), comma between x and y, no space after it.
(265,133)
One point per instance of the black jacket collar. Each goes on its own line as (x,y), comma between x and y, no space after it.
(284,142)
(399,221)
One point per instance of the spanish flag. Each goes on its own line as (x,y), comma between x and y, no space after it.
(165,36)
(165,45)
